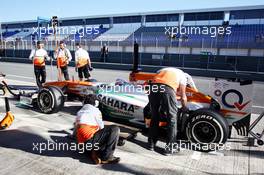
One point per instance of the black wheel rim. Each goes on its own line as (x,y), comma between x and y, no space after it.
(45,100)
(204,132)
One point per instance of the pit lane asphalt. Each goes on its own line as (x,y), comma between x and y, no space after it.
(18,156)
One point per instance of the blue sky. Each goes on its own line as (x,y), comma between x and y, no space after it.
(18,10)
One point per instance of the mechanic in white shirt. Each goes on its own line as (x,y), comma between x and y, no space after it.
(39,56)
(90,129)
(82,62)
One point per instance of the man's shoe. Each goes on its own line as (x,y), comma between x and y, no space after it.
(112,160)
(95,158)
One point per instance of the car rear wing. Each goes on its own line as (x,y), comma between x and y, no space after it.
(235,98)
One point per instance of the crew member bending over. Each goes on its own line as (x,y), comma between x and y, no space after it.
(39,55)
(82,62)
(162,98)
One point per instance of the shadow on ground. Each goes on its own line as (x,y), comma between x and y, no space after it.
(72,110)
(32,143)
(25,141)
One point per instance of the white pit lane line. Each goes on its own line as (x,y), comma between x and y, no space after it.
(13,77)
(18,76)
(262,107)
(196,155)
(19,81)
(217,153)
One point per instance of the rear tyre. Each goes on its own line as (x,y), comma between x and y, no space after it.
(207,129)
(50,99)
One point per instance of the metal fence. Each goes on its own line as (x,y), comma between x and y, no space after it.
(181,52)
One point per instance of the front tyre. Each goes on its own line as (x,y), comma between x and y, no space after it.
(50,99)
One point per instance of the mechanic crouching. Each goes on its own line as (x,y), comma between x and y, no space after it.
(90,129)
(162,98)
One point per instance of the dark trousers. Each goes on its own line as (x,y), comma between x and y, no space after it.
(64,70)
(40,74)
(106,139)
(83,71)
(163,102)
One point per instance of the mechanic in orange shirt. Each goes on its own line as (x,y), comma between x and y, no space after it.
(63,56)
(162,99)
(39,57)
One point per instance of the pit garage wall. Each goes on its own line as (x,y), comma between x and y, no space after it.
(185,50)
(200,65)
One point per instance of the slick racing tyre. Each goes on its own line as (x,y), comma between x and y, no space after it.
(207,129)
(50,99)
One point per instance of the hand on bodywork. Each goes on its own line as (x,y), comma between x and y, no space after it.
(182,94)
(190,82)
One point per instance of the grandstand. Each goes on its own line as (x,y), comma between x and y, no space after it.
(222,51)
(119,32)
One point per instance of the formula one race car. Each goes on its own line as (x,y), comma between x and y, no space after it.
(207,121)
